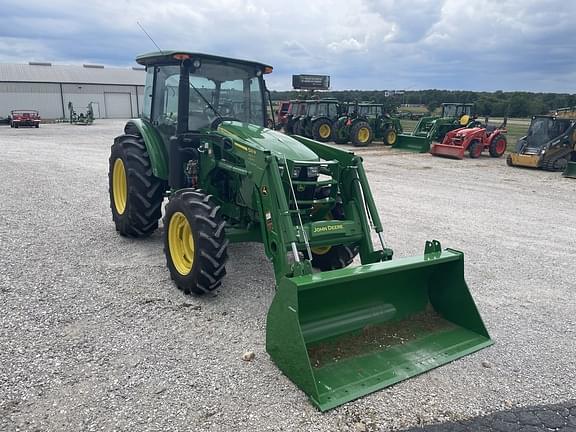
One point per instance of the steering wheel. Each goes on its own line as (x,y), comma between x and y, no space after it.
(216,122)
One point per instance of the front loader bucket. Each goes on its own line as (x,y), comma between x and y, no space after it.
(447,150)
(342,334)
(412,143)
(570,170)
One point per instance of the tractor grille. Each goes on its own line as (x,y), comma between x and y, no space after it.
(310,192)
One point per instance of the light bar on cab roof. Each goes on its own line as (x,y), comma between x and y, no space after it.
(181,56)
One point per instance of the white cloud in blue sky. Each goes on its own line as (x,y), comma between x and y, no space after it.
(362,44)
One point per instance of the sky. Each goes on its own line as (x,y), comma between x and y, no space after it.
(480,45)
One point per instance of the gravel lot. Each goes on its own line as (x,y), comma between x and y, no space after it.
(94,335)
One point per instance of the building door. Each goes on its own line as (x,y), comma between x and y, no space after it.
(118,105)
(96,109)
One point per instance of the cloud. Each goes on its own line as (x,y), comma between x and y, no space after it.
(362,44)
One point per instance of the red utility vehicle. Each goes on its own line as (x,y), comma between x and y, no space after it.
(20,118)
(473,139)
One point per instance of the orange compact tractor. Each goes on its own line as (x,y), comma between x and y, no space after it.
(474,140)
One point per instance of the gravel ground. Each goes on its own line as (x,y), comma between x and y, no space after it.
(94,335)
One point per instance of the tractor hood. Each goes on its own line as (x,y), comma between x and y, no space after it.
(263,139)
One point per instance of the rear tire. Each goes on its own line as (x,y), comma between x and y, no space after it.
(475,149)
(498,146)
(135,194)
(195,245)
(361,134)
(322,130)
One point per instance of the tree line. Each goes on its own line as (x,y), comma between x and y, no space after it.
(496,104)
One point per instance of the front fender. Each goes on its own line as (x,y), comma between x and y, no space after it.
(155,147)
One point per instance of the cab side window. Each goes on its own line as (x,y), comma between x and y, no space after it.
(165,107)
(147,105)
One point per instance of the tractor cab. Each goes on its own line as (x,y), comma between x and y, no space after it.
(370,109)
(194,92)
(460,111)
(323,107)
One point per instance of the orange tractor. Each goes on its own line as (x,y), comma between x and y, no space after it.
(474,140)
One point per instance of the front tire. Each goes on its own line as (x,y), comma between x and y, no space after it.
(475,149)
(390,136)
(194,241)
(135,194)
(297,128)
(326,258)
(361,134)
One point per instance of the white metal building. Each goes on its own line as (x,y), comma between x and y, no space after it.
(114,92)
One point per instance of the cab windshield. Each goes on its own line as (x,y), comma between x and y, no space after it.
(216,89)
(456,110)
(544,129)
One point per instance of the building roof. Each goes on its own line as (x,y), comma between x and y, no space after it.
(85,74)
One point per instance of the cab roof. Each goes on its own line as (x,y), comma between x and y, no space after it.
(171,57)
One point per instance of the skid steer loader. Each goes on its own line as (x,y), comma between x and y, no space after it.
(337,332)
(550,144)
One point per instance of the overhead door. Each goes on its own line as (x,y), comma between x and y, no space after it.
(118,105)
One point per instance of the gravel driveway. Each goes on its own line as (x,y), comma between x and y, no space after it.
(94,335)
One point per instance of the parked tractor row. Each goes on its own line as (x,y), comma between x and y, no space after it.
(330,120)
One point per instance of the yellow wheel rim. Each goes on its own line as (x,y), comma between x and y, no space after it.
(363,134)
(321,250)
(119,186)
(181,243)
(324,131)
(391,138)
(464,120)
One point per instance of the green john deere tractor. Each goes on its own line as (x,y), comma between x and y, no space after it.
(385,127)
(352,126)
(434,128)
(338,333)
(317,120)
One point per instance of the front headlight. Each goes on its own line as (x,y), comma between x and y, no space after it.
(296,172)
(313,171)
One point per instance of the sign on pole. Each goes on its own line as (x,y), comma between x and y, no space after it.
(311,82)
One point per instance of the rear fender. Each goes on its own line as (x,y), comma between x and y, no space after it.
(493,136)
(155,147)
